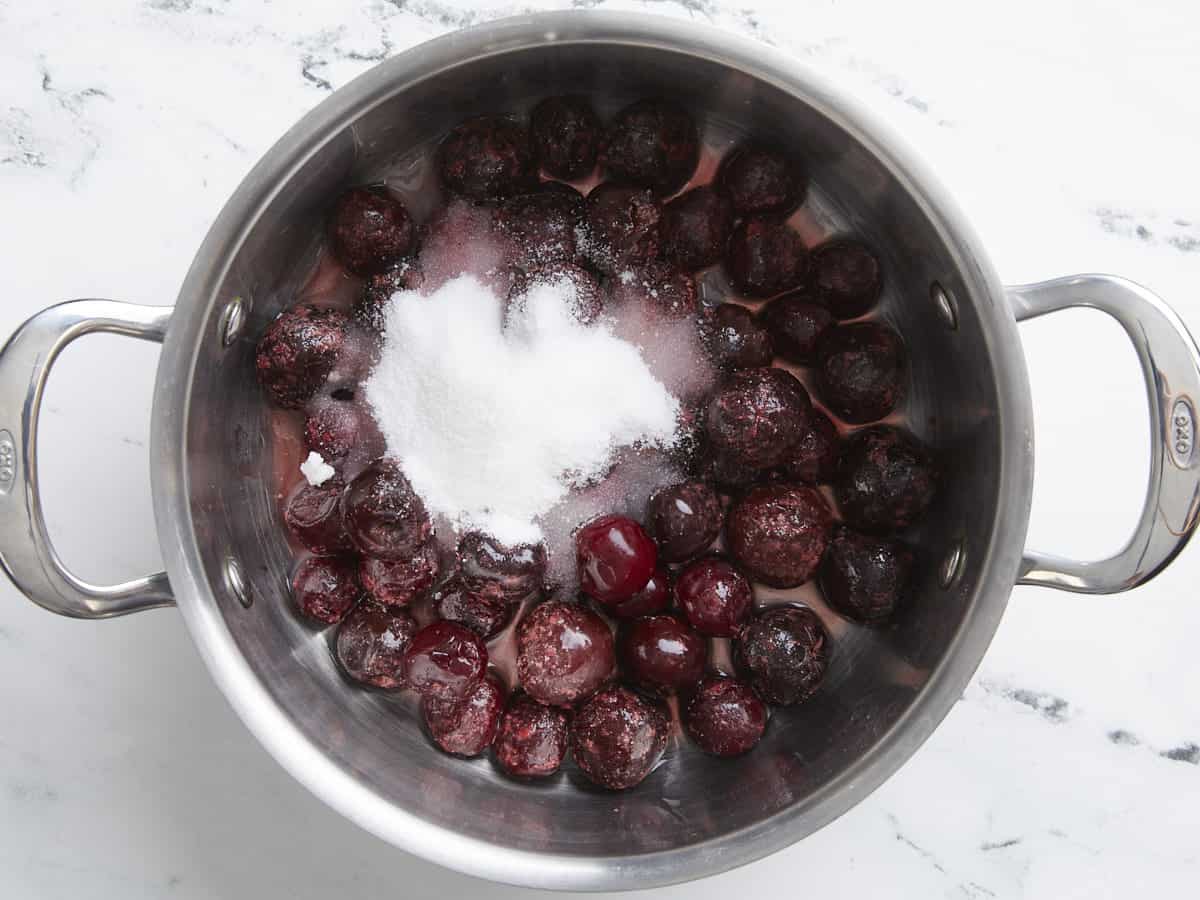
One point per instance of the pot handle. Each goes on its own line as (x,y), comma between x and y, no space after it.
(1171,365)
(26,553)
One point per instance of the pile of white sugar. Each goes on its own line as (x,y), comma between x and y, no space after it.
(495,419)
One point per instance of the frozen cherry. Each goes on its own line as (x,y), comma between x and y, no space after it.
(371,642)
(565,134)
(778,532)
(371,306)
(467,726)
(532,739)
(617,737)
(662,653)
(383,513)
(861,371)
(653,598)
(761,181)
(765,258)
(727,471)
(542,223)
(482,607)
(333,429)
(314,515)
(486,158)
(564,652)
(714,596)
(885,480)
(615,556)
(326,587)
(863,577)
(585,299)
(684,519)
(444,660)
(398,582)
(652,144)
(518,569)
(369,229)
(298,351)
(622,227)
(695,227)
(725,717)
(665,287)
(814,458)
(783,651)
(846,276)
(756,416)
(796,324)
(735,339)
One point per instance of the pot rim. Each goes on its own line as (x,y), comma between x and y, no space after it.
(195,320)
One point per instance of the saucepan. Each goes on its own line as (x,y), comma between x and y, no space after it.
(887,689)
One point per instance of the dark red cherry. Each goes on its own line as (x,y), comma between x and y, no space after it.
(370,229)
(486,158)
(652,144)
(325,588)
(615,556)
(765,258)
(298,351)
(483,607)
(653,598)
(684,519)
(564,652)
(384,515)
(735,339)
(466,726)
(695,228)
(661,653)
(814,458)
(398,582)
(617,737)
(444,660)
(756,417)
(779,532)
(725,717)
(761,181)
(864,577)
(847,276)
(371,642)
(862,371)
(531,741)
(784,652)
(314,514)
(886,480)
(796,323)
(714,596)
(565,133)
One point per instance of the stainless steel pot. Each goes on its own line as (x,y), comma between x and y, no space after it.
(887,690)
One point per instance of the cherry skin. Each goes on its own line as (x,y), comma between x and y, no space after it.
(531,741)
(325,588)
(486,158)
(779,532)
(398,582)
(714,595)
(735,339)
(684,519)
(784,651)
(298,351)
(847,276)
(617,737)
(760,180)
(864,577)
(565,134)
(444,660)
(616,557)
(653,598)
(725,717)
(371,642)
(314,515)
(467,726)
(384,515)
(564,652)
(369,229)
(886,480)
(661,653)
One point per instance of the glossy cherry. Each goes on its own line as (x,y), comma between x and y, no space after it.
(518,569)
(615,557)
(784,652)
(298,351)
(314,515)
(325,588)
(684,519)
(864,577)
(653,598)
(862,371)
(384,515)
(661,653)
(482,606)
(724,716)
(398,582)
(444,660)
(886,480)
(564,652)
(617,737)
(371,642)
(714,596)
(466,726)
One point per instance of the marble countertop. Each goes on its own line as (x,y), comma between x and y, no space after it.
(1069,133)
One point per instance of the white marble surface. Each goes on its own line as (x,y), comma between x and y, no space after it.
(1069,132)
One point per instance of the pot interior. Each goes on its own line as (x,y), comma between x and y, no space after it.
(876,675)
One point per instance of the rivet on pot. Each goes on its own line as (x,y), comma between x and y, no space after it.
(236,582)
(952,565)
(945,305)
(233,317)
